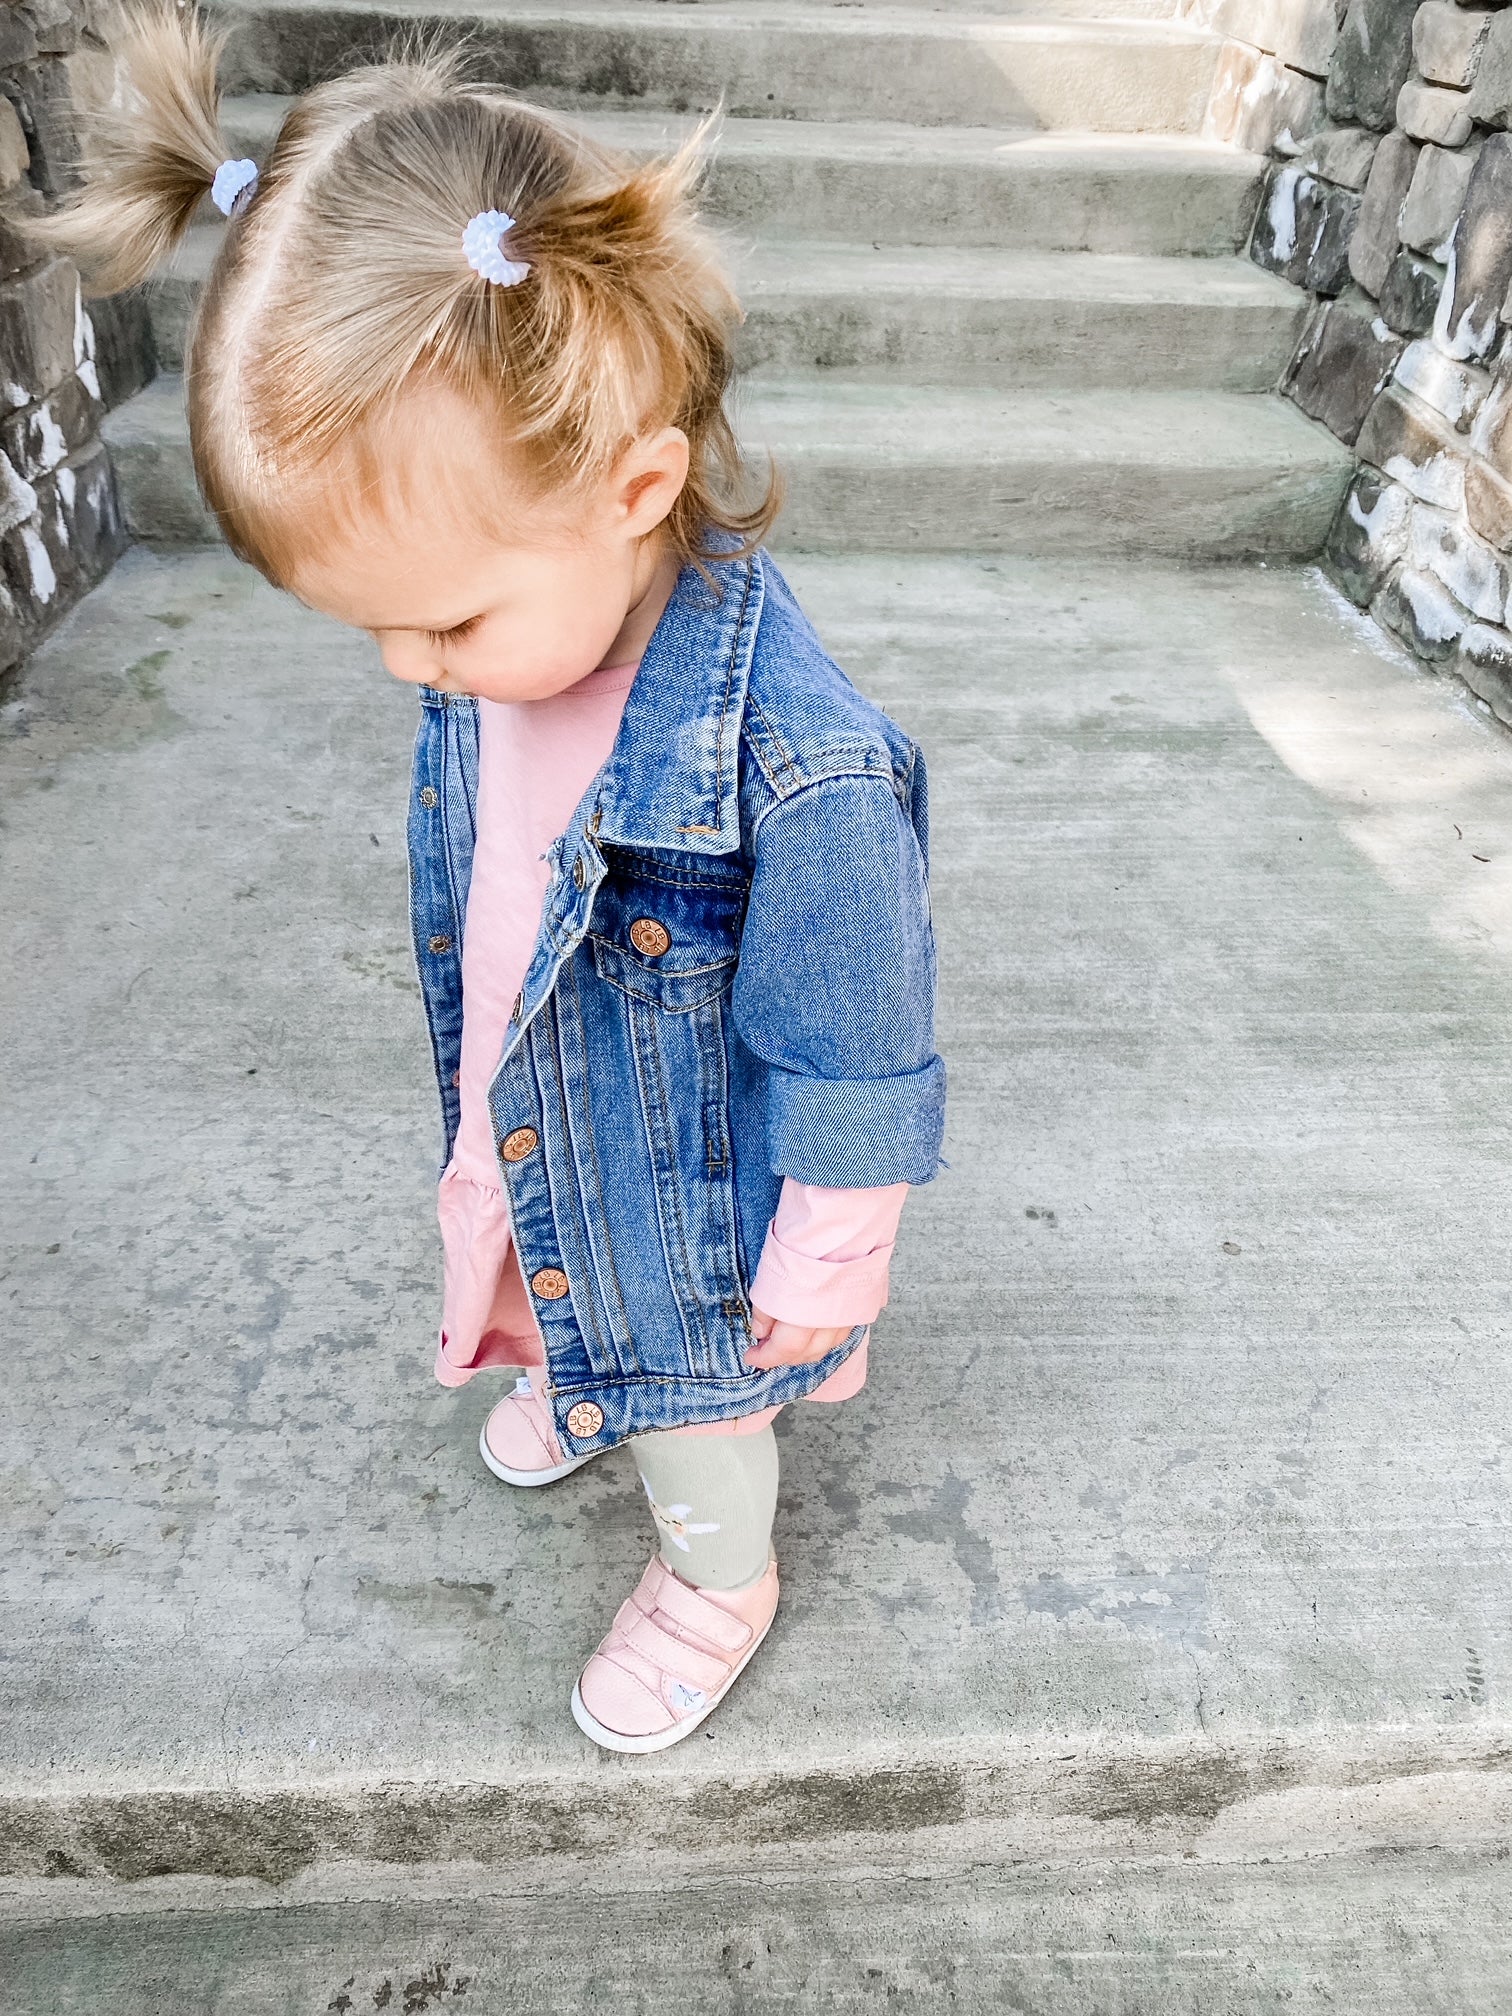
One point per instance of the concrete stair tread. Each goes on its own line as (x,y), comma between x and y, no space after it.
(992,186)
(1211,475)
(821,413)
(878,271)
(252,119)
(743,16)
(932,424)
(781,61)
(1095,1589)
(813,267)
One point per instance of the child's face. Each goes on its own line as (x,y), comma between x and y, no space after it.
(517,612)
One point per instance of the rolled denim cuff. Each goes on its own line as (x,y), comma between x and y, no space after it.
(857,1133)
(821,1294)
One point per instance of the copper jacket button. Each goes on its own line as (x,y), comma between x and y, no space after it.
(647,936)
(584,1419)
(517,1145)
(550,1283)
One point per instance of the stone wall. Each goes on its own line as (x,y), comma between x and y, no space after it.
(61,365)
(1390,201)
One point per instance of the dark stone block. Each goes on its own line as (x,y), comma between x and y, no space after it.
(41,96)
(1481,255)
(1484,662)
(67,420)
(90,508)
(13,637)
(1488,505)
(17,249)
(125,356)
(1410,293)
(1341,364)
(1303,230)
(1373,243)
(37,565)
(36,332)
(1417,447)
(18,41)
(55,25)
(1370,62)
(1368,536)
(1423,613)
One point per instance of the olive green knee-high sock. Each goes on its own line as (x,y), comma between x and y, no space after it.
(713,1498)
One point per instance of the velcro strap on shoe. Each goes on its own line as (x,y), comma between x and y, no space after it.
(672,1655)
(697,1614)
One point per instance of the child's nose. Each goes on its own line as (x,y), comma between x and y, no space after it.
(408,657)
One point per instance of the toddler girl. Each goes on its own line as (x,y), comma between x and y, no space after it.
(456,378)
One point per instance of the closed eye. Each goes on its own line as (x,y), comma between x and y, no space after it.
(456,635)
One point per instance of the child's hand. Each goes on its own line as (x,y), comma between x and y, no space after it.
(790,1343)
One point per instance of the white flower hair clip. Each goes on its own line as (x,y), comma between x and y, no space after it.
(234,186)
(483,242)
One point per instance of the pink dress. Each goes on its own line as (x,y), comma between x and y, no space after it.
(826,1256)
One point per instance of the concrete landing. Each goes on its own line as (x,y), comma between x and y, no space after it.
(1174,1522)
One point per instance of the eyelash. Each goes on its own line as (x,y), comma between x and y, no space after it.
(457,636)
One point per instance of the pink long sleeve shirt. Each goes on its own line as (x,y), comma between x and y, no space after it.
(826,1256)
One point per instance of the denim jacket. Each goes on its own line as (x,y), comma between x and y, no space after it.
(733,982)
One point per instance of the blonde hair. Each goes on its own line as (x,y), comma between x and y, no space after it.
(342,285)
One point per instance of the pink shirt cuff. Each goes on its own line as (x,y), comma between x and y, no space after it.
(826,1257)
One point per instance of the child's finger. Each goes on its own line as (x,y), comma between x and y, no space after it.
(761,1323)
(794,1344)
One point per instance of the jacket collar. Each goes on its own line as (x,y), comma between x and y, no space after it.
(672,776)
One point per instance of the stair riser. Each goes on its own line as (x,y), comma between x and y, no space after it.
(1058,78)
(1019,343)
(1108,509)
(1025,344)
(836,506)
(1013,204)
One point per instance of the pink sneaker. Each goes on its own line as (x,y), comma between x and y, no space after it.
(519,1443)
(672,1654)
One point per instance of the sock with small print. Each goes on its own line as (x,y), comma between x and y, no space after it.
(713,1498)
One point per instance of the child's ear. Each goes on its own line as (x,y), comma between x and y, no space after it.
(650,477)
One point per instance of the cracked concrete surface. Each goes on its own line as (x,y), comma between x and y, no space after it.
(1175,1517)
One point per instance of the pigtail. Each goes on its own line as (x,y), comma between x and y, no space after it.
(151,160)
(630,291)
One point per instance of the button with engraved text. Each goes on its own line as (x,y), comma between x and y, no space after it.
(427,795)
(579,873)
(585,1419)
(519,1143)
(647,936)
(550,1283)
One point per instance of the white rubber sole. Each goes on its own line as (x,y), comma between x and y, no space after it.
(642,1746)
(528,1480)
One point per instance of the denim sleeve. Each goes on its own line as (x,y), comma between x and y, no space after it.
(835,988)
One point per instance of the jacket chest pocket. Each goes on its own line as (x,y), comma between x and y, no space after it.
(669,940)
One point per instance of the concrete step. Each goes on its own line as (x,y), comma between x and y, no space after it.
(770,61)
(1199,475)
(1321,1936)
(1141,194)
(1203,475)
(1120,1578)
(961,317)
